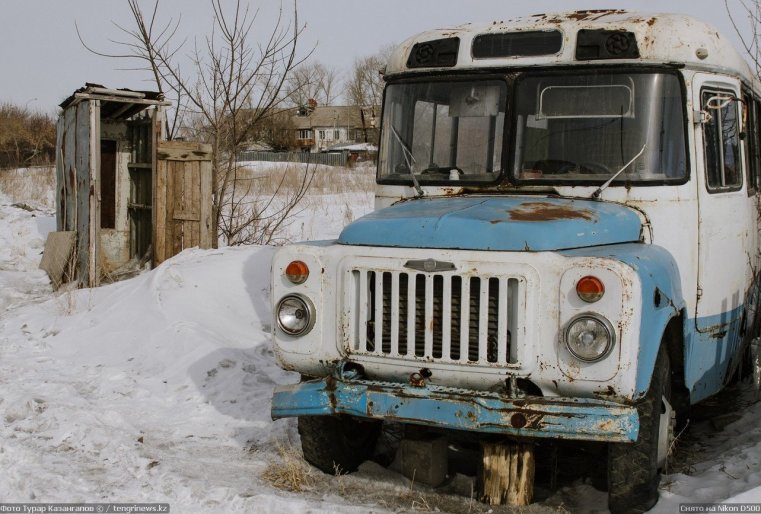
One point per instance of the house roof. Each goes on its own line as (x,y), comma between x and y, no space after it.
(337,116)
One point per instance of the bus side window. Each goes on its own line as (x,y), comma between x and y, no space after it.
(750,141)
(755,145)
(721,140)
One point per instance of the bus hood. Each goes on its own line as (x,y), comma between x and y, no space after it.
(496,223)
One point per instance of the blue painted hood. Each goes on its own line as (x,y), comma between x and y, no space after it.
(503,223)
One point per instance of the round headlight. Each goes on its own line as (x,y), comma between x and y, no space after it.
(295,315)
(588,337)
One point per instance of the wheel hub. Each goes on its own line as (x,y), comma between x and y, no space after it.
(666,426)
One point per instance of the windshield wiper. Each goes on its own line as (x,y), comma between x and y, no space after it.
(600,189)
(409,159)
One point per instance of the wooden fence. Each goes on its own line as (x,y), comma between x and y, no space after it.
(326,159)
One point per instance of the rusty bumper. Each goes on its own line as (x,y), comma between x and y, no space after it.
(533,416)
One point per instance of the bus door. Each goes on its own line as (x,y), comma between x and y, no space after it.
(723,233)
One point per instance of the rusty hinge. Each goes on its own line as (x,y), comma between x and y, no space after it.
(700,292)
(702,117)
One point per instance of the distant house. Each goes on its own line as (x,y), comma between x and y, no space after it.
(318,129)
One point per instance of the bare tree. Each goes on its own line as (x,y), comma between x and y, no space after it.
(365,87)
(312,81)
(147,43)
(234,84)
(751,40)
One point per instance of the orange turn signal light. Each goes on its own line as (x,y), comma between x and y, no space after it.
(297,272)
(590,289)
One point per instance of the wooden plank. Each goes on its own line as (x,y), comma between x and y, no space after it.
(81,136)
(507,473)
(204,207)
(183,169)
(157,135)
(56,257)
(179,205)
(178,230)
(122,99)
(195,193)
(185,216)
(169,206)
(183,151)
(160,212)
(197,203)
(69,145)
(94,194)
(60,176)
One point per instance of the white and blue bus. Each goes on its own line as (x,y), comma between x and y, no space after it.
(564,246)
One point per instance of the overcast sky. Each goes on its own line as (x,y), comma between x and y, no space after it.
(43,61)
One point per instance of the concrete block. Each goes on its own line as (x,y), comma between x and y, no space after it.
(425,459)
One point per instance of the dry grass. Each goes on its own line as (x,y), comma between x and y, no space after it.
(278,179)
(30,185)
(290,472)
(268,197)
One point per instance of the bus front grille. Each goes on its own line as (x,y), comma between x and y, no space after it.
(435,317)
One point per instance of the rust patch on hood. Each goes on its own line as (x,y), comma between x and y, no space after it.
(542,211)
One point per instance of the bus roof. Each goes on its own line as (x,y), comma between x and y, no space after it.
(569,39)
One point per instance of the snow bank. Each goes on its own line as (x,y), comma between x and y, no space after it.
(158,389)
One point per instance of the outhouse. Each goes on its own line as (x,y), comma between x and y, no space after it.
(126,198)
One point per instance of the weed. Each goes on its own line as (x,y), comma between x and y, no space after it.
(35,185)
(291,472)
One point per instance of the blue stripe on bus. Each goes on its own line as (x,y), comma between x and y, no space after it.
(709,354)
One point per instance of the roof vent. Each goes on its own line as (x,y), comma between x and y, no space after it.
(439,53)
(606,44)
(517,44)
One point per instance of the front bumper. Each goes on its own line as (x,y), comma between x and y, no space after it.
(459,409)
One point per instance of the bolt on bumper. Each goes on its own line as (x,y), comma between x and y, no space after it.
(533,416)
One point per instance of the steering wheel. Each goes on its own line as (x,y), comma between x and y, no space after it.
(596,168)
(441,171)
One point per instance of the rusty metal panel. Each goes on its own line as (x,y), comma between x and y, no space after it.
(533,416)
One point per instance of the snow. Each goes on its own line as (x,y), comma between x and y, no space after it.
(157,389)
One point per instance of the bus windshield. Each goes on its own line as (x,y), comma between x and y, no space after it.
(571,128)
(587,127)
(445,130)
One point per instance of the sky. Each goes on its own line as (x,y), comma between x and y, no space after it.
(43,60)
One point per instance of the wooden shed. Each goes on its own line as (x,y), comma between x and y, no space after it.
(125,197)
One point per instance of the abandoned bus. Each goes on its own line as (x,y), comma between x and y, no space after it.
(564,246)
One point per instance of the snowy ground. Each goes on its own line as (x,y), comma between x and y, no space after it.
(157,389)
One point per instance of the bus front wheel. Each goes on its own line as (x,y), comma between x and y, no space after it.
(634,469)
(337,444)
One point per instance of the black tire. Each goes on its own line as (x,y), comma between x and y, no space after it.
(633,473)
(337,444)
